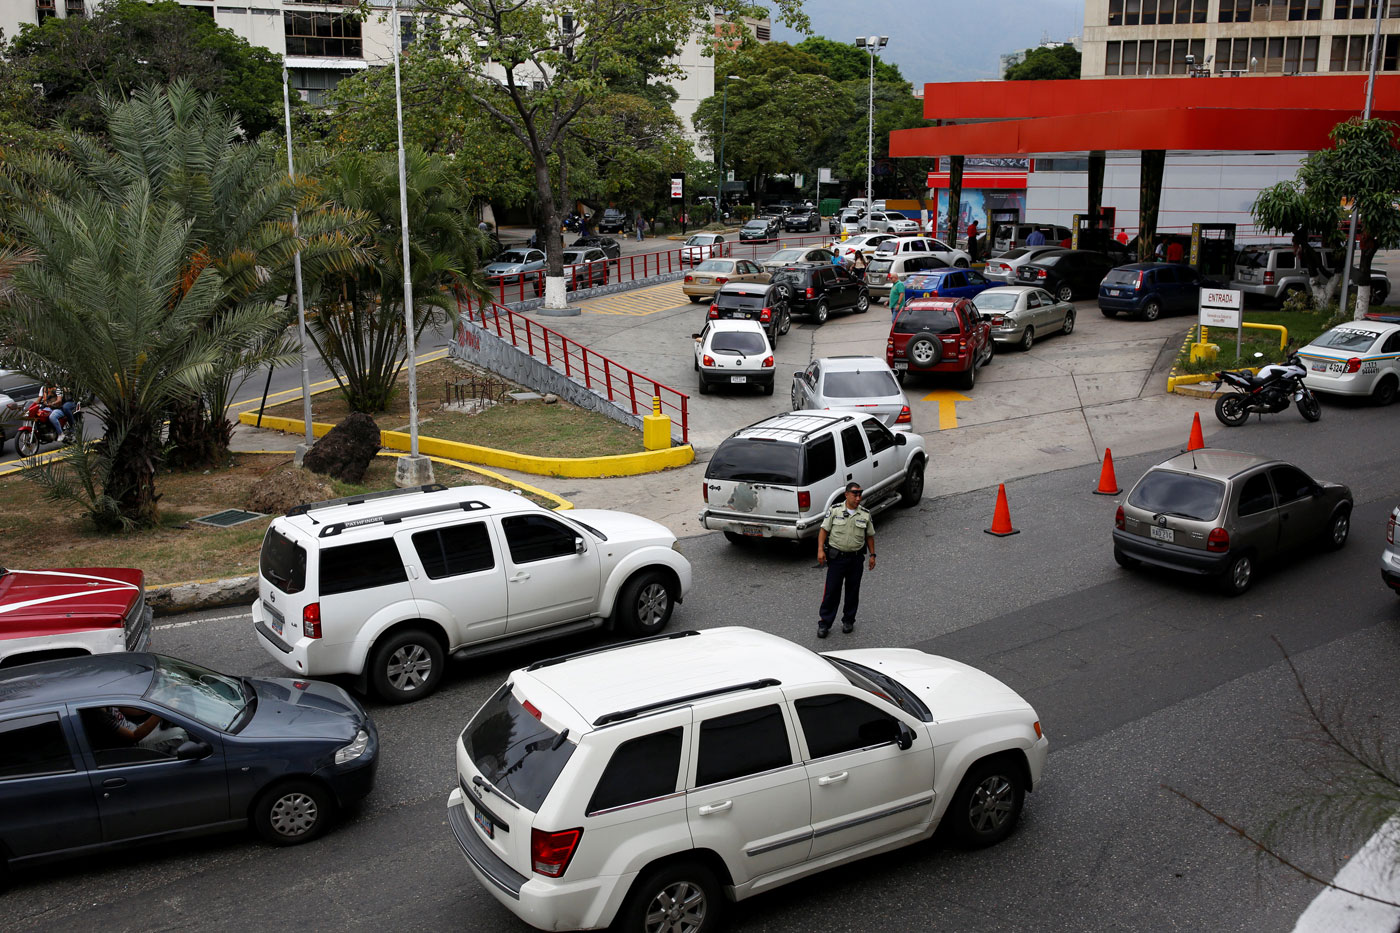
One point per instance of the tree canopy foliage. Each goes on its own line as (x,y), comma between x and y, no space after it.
(1044,64)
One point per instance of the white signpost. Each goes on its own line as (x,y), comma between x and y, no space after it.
(1223,307)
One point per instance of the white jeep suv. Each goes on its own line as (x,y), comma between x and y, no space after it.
(386,585)
(645,784)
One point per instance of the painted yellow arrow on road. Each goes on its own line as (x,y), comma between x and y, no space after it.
(947,401)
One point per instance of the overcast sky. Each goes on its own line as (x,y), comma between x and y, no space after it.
(944,40)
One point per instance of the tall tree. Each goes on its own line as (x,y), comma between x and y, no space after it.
(845,62)
(536,65)
(1044,64)
(128,44)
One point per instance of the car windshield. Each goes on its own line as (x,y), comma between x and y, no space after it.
(701,239)
(756,225)
(894,215)
(513,256)
(882,685)
(875,383)
(715,265)
(787,255)
(753,460)
(213,699)
(997,300)
(515,751)
(1346,338)
(572,258)
(738,343)
(1166,492)
(930,320)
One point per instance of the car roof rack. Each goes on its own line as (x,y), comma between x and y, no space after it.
(560,659)
(623,715)
(364,497)
(801,433)
(393,518)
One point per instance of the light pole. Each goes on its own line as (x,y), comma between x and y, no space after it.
(296,265)
(1365,115)
(871,44)
(723,118)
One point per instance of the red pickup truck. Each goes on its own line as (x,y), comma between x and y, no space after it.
(62,613)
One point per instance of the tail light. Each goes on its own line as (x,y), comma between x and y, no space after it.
(532,709)
(1118,521)
(996,320)
(705,491)
(1218,540)
(714,311)
(804,501)
(720,280)
(707,360)
(1268,278)
(1040,273)
(904,417)
(765,315)
(768,362)
(311,620)
(1390,530)
(550,853)
(1137,283)
(689,278)
(811,292)
(932,294)
(962,346)
(1354,365)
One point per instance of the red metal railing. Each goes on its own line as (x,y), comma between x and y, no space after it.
(637,266)
(623,387)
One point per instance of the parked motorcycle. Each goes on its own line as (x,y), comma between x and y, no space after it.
(1267,392)
(35,430)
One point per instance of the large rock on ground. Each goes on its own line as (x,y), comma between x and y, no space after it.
(283,489)
(346,450)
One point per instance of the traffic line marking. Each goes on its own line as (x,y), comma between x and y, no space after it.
(189,622)
(947,400)
(637,303)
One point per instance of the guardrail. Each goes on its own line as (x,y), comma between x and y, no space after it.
(624,387)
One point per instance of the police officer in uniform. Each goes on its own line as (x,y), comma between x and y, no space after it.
(846,532)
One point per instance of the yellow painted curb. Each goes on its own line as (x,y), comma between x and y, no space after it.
(649,461)
(1173,380)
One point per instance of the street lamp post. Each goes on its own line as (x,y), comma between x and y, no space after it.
(723,118)
(871,44)
(296,265)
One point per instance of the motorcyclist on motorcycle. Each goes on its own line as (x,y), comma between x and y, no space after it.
(60,411)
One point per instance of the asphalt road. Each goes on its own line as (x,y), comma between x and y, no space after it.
(1141,680)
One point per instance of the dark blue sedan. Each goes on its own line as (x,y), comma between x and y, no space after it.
(115,749)
(1149,289)
(947,283)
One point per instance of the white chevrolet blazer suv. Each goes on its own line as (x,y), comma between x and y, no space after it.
(646,784)
(385,586)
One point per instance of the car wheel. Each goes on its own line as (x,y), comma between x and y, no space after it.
(988,803)
(1027,338)
(407,666)
(1108,312)
(683,897)
(786,320)
(1384,392)
(1337,529)
(1151,311)
(1068,327)
(1230,410)
(733,537)
(991,352)
(863,303)
(768,388)
(645,604)
(704,386)
(696,299)
(924,351)
(912,489)
(1238,575)
(969,378)
(1379,293)
(292,812)
(900,375)
(960,263)
(821,312)
(1065,293)
(1124,561)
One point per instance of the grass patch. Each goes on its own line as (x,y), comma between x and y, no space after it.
(557,430)
(56,535)
(1303,328)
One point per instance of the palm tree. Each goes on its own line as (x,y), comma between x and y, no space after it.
(359,322)
(111,299)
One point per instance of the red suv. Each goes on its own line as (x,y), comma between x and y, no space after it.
(73,611)
(939,335)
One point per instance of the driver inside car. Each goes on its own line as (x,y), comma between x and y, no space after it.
(147,730)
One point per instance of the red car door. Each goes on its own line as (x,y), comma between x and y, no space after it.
(979,332)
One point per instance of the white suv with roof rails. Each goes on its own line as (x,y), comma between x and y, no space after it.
(643,785)
(386,585)
(777,478)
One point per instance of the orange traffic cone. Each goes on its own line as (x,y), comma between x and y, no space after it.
(1108,483)
(1001,518)
(1197,441)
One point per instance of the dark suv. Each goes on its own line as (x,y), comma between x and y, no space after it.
(1147,289)
(754,301)
(1075,273)
(806,219)
(613,220)
(817,289)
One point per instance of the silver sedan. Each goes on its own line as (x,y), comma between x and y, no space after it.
(794,254)
(1003,268)
(861,383)
(1019,314)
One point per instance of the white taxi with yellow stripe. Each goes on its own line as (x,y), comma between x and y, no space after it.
(1355,358)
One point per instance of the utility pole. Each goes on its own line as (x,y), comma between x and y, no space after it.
(1365,115)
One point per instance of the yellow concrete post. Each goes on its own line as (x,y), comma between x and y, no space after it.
(656,427)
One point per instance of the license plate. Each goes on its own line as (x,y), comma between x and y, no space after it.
(738,378)
(1319,367)
(753,530)
(703,281)
(1114,291)
(274,619)
(485,823)
(1162,534)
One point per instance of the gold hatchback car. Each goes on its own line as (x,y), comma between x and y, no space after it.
(707,277)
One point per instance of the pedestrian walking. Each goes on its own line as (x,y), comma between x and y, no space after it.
(847,533)
(641,228)
(972,244)
(896,299)
(859,264)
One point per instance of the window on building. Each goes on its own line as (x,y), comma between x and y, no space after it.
(312,85)
(1390,54)
(1183,11)
(1130,58)
(1179,47)
(1132,13)
(1227,11)
(74,8)
(1197,50)
(1273,63)
(405,32)
(1149,12)
(1113,57)
(1356,53)
(43,9)
(1163,65)
(1310,46)
(1364,9)
(323,35)
(1115,12)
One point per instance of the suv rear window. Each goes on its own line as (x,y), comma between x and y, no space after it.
(879,266)
(1252,258)
(745,300)
(1121,277)
(797,277)
(742,343)
(1165,491)
(877,383)
(932,320)
(745,459)
(283,562)
(515,752)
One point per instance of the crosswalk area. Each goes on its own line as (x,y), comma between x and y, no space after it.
(638,303)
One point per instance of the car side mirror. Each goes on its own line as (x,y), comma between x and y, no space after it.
(900,439)
(193,750)
(580,545)
(905,740)
(1316,490)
